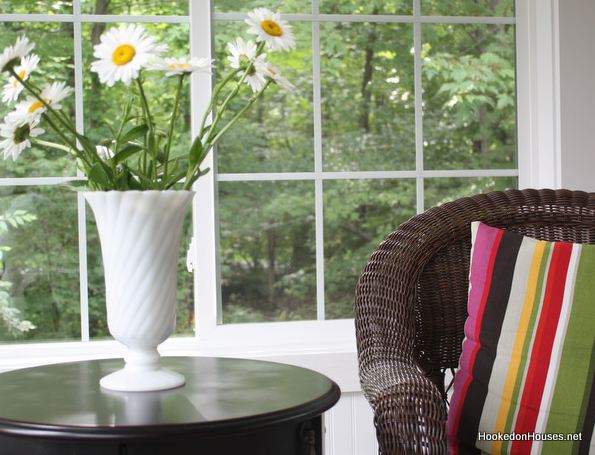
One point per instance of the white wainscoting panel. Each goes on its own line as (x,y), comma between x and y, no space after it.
(349,427)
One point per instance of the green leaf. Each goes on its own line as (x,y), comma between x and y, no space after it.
(99,175)
(126,153)
(196,151)
(86,144)
(134,133)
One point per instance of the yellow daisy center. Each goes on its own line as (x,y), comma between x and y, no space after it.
(22,75)
(271,27)
(179,66)
(123,54)
(34,106)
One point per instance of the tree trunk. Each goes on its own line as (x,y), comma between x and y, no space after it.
(271,272)
(484,132)
(366,92)
(101,7)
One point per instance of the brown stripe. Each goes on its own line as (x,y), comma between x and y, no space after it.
(491,326)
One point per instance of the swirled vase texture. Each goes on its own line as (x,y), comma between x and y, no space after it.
(140,234)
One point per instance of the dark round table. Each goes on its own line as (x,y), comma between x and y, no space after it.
(227,406)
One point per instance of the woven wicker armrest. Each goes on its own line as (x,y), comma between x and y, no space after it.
(409,413)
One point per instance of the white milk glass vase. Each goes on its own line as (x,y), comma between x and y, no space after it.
(140,234)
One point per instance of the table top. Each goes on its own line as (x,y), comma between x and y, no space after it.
(220,395)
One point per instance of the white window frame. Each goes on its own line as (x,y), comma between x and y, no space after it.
(325,345)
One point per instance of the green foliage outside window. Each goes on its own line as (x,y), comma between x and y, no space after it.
(267,234)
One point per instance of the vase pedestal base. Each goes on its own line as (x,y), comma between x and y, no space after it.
(126,380)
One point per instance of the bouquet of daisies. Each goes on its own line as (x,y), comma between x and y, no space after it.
(138,157)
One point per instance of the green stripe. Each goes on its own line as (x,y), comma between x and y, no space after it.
(575,373)
(543,267)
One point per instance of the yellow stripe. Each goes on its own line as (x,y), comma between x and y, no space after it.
(513,368)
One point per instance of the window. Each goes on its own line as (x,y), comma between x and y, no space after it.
(51,260)
(401,104)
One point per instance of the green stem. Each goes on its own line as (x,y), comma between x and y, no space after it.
(148,118)
(72,145)
(51,145)
(37,96)
(214,97)
(238,115)
(174,116)
(122,123)
(232,94)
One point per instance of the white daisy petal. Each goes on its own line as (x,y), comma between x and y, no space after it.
(16,132)
(11,56)
(242,52)
(271,29)
(270,71)
(179,66)
(13,88)
(54,93)
(122,53)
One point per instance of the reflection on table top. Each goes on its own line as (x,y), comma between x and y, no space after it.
(219,394)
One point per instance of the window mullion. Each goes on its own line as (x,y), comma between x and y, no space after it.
(206,275)
(318,184)
(81,209)
(419,131)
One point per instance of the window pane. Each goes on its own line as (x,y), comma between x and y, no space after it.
(276,134)
(445,189)
(136,7)
(103,104)
(282,6)
(358,215)
(97,311)
(467,8)
(40,271)
(56,64)
(469,97)
(368,106)
(401,7)
(36,6)
(267,251)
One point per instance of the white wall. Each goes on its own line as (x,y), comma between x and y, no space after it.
(577,93)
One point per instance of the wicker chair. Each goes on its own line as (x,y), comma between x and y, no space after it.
(411,304)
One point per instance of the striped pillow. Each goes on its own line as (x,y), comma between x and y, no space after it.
(526,370)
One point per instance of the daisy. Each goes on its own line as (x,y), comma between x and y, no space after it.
(256,78)
(269,27)
(15,135)
(242,52)
(272,72)
(52,94)
(30,107)
(12,55)
(122,53)
(13,88)
(179,66)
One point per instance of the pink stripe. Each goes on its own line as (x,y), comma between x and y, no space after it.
(486,240)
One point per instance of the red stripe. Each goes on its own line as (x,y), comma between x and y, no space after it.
(454,449)
(542,346)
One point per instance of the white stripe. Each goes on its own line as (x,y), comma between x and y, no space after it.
(535,325)
(510,323)
(550,382)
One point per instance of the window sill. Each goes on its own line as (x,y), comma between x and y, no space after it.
(336,359)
